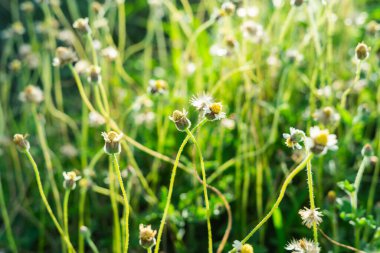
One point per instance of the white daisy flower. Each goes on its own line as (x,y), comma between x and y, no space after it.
(214,111)
(201,102)
(32,94)
(70,179)
(320,141)
(309,216)
(293,139)
(302,246)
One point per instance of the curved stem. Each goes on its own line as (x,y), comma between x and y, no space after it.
(66,215)
(115,212)
(311,197)
(204,182)
(46,203)
(171,186)
(297,170)
(125,199)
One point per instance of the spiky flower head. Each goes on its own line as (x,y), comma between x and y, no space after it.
(180,120)
(327,116)
(70,179)
(147,236)
(320,141)
(309,216)
(157,86)
(21,142)
(214,111)
(362,51)
(294,138)
(82,25)
(302,246)
(112,142)
(32,94)
(64,55)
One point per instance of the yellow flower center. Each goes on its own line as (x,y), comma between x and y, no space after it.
(112,136)
(160,84)
(289,143)
(322,138)
(216,108)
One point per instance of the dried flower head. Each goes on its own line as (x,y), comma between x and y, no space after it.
(157,86)
(32,94)
(201,102)
(362,51)
(327,116)
(94,74)
(320,141)
(180,120)
(294,138)
(147,236)
(64,55)
(214,111)
(309,216)
(246,248)
(70,179)
(21,142)
(112,142)
(303,246)
(82,25)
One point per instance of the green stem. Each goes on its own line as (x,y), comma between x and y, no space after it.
(125,199)
(171,186)
(204,182)
(116,223)
(348,90)
(92,245)
(66,215)
(311,197)
(46,203)
(297,170)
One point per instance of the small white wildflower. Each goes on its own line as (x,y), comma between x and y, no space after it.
(320,141)
(302,246)
(66,36)
(82,66)
(250,11)
(293,139)
(32,94)
(201,102)
(214,111)
(69,151)
(147,236)
(142,101)
(327,116)
(228,123)
(82,25)
(94,74)
(64,55)
(237,245)
(70,179)
(110,53)
(253,31)
(362,51)
(158,87)
(112,142)
(95,119)
(218,50)
(309,216)
(294,56)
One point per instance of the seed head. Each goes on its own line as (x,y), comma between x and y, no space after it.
(82,25)
(21,142)
(309,216)
(70,179)
(32,94)
(112,142)
(302,246)
(367,150)
(147,236)
(180,120)
(362,51)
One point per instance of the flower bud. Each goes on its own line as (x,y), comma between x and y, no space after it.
(296,2)
(70,179)
(112,142)
(362,51)
(85,231)
(180,120)
(331,197)
(21,142)
(94,75)
(246,248)
(82,26)
(147,236)
(228,8)
(367,150)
